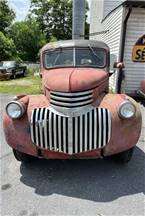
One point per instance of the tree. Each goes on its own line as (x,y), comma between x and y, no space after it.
(28,39)
(7,48)
(6,16)
(54,17)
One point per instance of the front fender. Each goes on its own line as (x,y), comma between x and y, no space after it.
(17,131)
(125,132)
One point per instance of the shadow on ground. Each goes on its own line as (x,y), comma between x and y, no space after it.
(95,180)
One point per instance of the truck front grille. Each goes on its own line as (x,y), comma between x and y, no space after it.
(70,134)
(71,100)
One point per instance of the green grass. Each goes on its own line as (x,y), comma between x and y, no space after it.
(22,85)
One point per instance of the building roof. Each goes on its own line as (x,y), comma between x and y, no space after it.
(128,3)
(74,43)
(134,3)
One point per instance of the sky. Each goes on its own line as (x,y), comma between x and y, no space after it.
(21,8)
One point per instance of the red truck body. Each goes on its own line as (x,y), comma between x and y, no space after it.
(76,116)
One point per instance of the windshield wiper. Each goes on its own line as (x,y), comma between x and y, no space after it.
(97,57)
(60,51)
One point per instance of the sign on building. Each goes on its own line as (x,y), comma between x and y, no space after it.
(138,53)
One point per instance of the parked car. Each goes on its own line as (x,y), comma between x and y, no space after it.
(11,69)
(76,116)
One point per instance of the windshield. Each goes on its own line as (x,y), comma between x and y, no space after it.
(7,63)
(59,57)
(77,57)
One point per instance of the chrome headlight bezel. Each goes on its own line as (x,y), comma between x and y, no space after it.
(124,105)
(18,106)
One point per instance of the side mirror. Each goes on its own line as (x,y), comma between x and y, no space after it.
(118,65)
(113,58)
(114,64)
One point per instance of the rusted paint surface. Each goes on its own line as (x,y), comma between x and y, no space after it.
(17,135)
(125,133)
(142,86)
(17,132)
(83,155)
(73,79)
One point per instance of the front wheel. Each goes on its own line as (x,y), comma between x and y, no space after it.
(14,74)
(123,157)
(24,73)
(20,156)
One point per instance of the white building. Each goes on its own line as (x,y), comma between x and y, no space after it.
(121,24)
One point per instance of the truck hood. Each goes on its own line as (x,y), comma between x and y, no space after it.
(73,79)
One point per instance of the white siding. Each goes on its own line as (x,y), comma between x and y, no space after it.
(99,9)
(112,26)
(96,15)
(134,72)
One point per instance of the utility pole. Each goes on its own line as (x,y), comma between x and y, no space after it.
(78,30)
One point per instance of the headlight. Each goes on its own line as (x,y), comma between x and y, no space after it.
(127,110)
(15,109)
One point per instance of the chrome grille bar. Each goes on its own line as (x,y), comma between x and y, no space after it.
(70,135)
(31,125)
(95,129)
(46,128)
(70,104)
(71,94)
(41,127)
(68,100)
(64,134)
(81,133)
(104,127)
(37,127)
(50,130)
(55,132)
(76,134)
(109,125)
(99,131)
(90,130)
(59,132)
(86,140)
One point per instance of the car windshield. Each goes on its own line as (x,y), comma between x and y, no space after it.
(77,57)
(7,63)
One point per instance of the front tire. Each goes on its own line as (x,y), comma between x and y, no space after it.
(14,74)
(20,156)
(24,73)
(123,157)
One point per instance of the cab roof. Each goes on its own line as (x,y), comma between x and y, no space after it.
(74,43)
